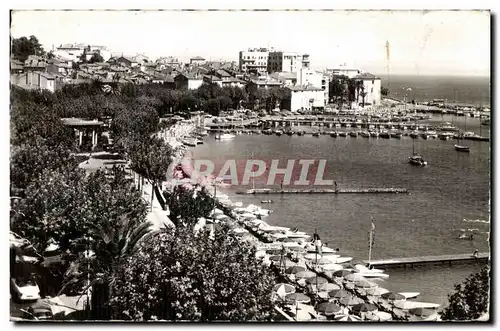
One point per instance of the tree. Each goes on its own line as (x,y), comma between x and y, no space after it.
(96,58)
(384,91)
(179,275)
(470,299)
(23,47)
(187,204)
(363,95)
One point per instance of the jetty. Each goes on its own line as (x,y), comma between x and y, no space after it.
(411,262)
(327,191)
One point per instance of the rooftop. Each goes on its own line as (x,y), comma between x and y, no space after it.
(199,58)
(301,88)
(367,76)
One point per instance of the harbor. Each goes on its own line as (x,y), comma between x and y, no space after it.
(420,261)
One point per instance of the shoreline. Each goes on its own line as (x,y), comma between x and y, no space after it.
(246,227)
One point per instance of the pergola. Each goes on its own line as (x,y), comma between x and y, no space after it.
(84,127)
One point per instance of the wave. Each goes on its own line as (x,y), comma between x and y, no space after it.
(475,221)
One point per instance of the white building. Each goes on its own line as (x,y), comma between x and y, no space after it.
(254,59)
(287,61)
(344,71)
(305,98)
(308,76)
(372,87)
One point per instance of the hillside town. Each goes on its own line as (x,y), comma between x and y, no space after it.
(263,68)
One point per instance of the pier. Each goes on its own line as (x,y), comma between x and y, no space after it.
(411,262)
(326,191)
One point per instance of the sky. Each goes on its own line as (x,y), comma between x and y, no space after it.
(421,43)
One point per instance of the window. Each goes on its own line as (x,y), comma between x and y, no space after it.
(373,81)
(372,89)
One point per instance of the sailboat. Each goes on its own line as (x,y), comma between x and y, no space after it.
(415,158)
(462,148)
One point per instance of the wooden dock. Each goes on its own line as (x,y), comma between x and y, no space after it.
(325,191)
(411,262)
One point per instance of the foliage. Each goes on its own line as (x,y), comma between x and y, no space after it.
(96,58)
(177,275)
(187,204)
(51,209)
(150,157)
(23,47)
(470,299)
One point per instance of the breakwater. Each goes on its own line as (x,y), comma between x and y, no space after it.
(389,190)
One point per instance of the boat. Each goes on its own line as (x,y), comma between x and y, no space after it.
(289,132)
(458,146)
(372,275)
(414,134)
(225,136)
(316,134)
(192,142)
(342,134)
(199,141)
(353,134)
(416,159)
(300,133)
(396,135)
(384,134)
(278,132)
(374,134)
(267,201)
(267,131)
(364,134)
(425,136)
(333,134)
(485,122)
(447,126)
(410,295)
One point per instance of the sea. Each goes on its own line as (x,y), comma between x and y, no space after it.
(450,195)
(475,91)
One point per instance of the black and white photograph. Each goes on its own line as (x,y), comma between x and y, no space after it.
(278,166)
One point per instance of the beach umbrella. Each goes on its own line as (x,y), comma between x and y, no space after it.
(364,307)
(295,269)
(275,251)
(339,294)
(347,318)
(285,240)
(304,274)
(342,273)
(365,284)
(327,287)
(297,297)
(376,291)
(422,312)
(354,277)
(220,216)
(316,280)
(328,308)
(332,267)
(393,296)
(284,288)
(351,301)
(296,248)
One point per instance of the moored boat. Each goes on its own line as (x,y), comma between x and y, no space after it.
(353,134)
(333,134)
(384,134)
(364,134)
(417,160)
(225,136)
(342,134)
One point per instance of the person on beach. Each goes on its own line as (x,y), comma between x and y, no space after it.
(317,242)
(476,253)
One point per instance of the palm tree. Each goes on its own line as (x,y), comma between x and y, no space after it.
(360,87)
(363,95)
(109,243)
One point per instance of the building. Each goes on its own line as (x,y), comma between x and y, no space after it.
(35,80)
(344,71)
(307,76)
(254,60)
(35,63)
(16,66)
(196,60)
(126,61)
(287,78)
(265,82)
(287,61)
(304,98)
(210,79)
(71,52)
(372,89)
(188,81)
